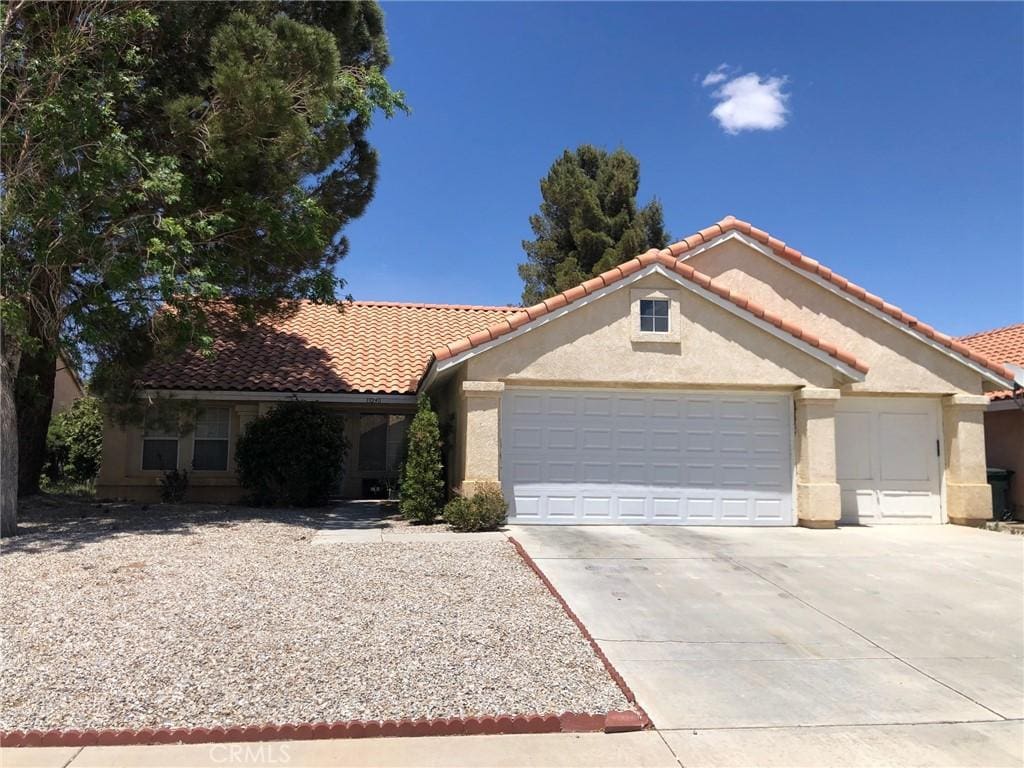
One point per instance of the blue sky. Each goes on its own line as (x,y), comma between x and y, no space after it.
(900,163)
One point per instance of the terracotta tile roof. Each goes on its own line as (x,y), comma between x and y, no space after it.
(667,259)
(731,223)
(386,347)
(1004,344)
(371,347)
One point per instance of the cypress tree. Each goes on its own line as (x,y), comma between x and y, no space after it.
(588,222)
(422,481)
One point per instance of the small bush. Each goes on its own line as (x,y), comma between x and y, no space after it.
(293,455)
(485,510)
(173,486)
(422,489)
(74,443)
(459,514)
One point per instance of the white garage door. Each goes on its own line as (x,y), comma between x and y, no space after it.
(887,460)
(630,457)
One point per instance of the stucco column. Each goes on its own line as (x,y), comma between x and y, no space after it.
(113,452)
(246,413)
(968,495)
(482,437)
(818,502)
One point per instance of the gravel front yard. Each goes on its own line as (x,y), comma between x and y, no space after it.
(178,617)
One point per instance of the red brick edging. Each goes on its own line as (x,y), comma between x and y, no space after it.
(567,722)
(638,719)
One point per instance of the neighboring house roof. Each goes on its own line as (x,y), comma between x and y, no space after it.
(1004,344)
(367,347)
(507,325)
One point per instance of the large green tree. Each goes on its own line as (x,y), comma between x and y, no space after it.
(159,156)
(589,221)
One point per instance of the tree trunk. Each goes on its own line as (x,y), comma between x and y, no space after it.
(10,356)
(33,397)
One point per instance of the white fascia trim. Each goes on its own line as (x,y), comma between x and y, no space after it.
(452,362)
(852,373)
(363,398)
(835,289)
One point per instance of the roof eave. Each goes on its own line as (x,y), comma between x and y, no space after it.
(448,357)
(366,398)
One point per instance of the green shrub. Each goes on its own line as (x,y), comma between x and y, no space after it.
(422,491)
(459,514)
(293,455)
(173,486)
(485,510)
(74,442)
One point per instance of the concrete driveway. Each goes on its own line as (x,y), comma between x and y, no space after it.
(889,642)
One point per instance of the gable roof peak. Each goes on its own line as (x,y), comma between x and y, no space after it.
(816,269)
(653,258)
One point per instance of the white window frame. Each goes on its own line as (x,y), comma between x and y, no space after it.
(226,440)
(638,295)
(654,318)
(162,436)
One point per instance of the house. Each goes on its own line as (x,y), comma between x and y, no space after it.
(1004,417)
(725,380)
(67,386)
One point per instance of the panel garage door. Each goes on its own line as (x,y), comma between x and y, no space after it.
(887,460)
(631,457)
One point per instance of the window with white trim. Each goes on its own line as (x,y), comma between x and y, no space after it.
(159,447)
(654,315)
(210,440)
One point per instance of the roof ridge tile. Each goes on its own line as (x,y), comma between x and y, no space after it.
(428,305)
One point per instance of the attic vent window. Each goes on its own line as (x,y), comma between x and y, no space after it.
(654,315)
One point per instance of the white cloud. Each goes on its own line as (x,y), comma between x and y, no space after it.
(715,76)
(748,102)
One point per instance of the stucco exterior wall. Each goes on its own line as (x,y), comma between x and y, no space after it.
(898,362)
(818,499)
(968,495)
(480,404)
(592,345)
(595,345)
(65,388)
(1004,446)
(451,415)
(121,475)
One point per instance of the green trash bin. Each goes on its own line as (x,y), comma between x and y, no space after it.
(999,479)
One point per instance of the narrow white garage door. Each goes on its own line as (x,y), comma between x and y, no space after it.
(631,457)
(887,460)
